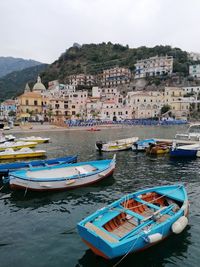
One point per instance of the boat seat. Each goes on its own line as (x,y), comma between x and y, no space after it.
(100,232)
(81,170)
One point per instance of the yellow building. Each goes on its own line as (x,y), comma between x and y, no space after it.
(32,103)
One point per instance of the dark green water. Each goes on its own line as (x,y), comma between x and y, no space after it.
(37,230)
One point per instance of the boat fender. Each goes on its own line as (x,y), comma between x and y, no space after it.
(154,238)
(179,225)
(185,207)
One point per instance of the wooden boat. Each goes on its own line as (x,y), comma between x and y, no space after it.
(142,145)
(117,145)
(158,149)
(186,151)
(34,139)
(24,152)
(8,167)
(136,221)
(62,177)
(16,145)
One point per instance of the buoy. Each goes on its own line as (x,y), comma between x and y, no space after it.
(154,238)
(179,225)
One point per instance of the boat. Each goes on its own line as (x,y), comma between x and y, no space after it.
(62,177)
(136,221)
(93,129)
(142,145)
(158,149)
(192,133)
(185,151)
(5,168)
(6,138)
(16,145)
(116,145)
(24,152)
(36,139)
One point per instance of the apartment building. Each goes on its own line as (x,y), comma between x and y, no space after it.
(116,76)
(154,66)
(82,79)
(194,71)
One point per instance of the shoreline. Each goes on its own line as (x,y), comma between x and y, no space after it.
(53,128)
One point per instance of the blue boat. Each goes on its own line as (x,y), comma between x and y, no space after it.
(62,177)
(8,167)
(186,151)
(136,221)
(141,145)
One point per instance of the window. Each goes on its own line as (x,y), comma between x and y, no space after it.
(73,113)
(65,106)
(73,106)
(57,106)
(35,103)
(27,103)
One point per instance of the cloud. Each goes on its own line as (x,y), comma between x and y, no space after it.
(43,29)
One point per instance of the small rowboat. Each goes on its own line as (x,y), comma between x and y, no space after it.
(142,145)
(8,167)
(158,149)
(93,129)
(34,139)
(62,177)
(24,152)
(16,145)
(136,221)
(117,145)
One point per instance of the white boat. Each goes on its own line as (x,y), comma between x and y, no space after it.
(63,176)
(192,133)
(24,152)
(116,145)
(36,139)
(16,145)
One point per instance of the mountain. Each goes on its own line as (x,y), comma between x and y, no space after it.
(93,58)
(10,64)
(14,83)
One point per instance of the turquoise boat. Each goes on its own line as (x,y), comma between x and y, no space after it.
(136,221)
(141,145)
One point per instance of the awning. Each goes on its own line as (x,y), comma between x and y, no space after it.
(24,115)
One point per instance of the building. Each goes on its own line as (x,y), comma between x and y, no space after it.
(116,76)
(194,56)
(32,103)
(82,79)
(145,104)
(154,66)
(8,108)
(194,71)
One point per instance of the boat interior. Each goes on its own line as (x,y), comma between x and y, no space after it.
(140,212)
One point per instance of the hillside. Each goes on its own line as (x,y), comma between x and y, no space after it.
(10,64)
(93,58)
(14,83)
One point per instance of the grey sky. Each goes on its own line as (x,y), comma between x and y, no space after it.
(43,29)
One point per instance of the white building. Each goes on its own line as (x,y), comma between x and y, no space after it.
(154,66)
(194,71)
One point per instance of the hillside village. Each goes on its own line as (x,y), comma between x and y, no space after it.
(116,94)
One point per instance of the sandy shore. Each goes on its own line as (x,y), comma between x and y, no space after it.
(49,127)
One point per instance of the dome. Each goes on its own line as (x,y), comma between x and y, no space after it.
(39,86)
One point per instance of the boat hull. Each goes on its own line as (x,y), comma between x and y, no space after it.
(183,153)
(23,155)
(31,145)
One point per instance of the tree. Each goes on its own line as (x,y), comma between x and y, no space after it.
(165,109)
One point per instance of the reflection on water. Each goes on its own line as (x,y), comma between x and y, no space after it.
(40,229)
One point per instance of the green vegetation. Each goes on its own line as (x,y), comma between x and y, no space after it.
(13,84)
(93,58)
(10,64)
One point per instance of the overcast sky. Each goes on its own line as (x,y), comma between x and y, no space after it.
(43,29)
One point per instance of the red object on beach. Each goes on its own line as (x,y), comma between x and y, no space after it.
(93,129)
